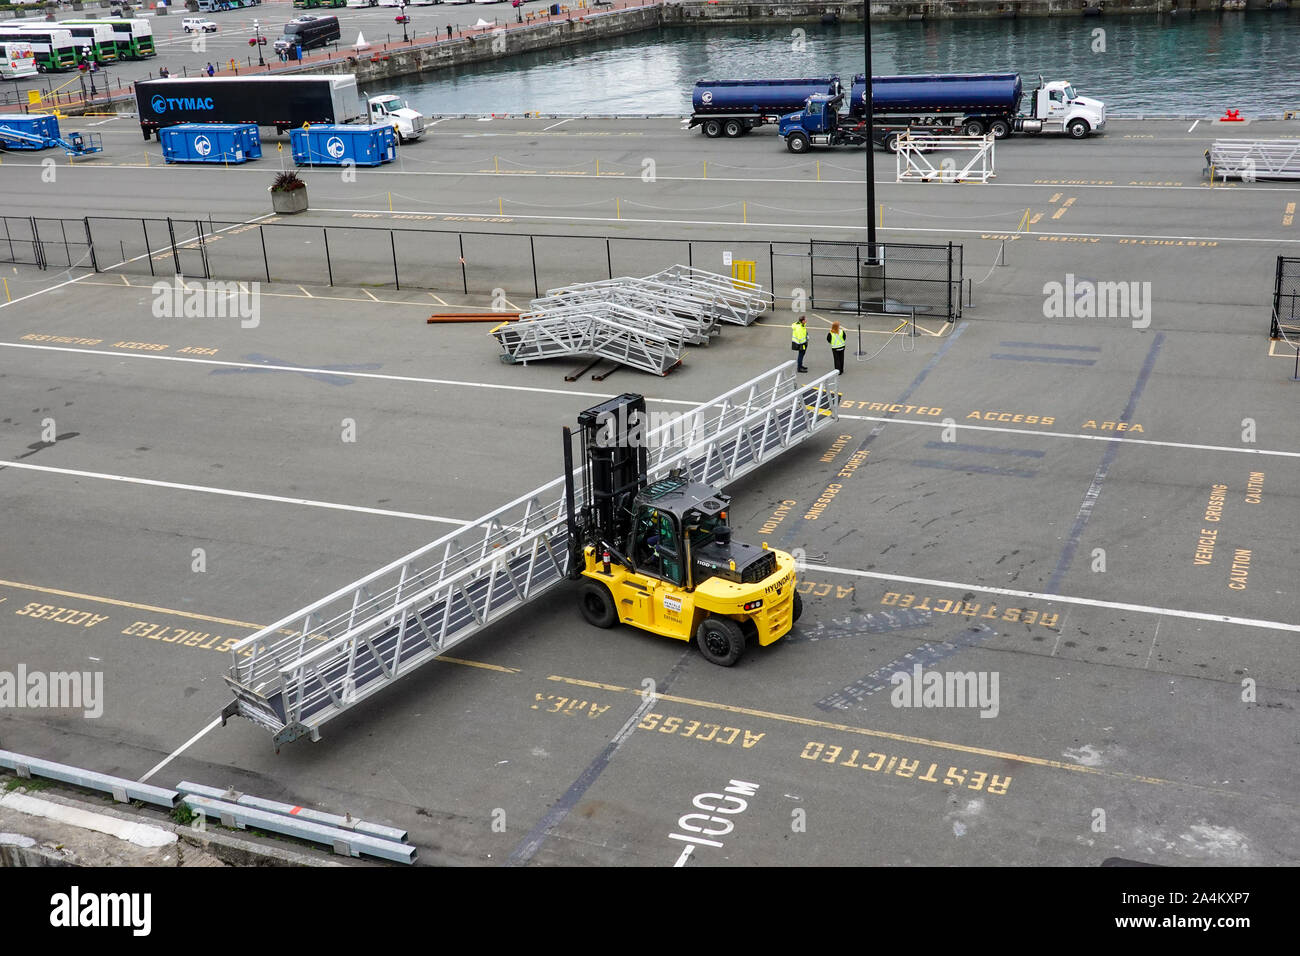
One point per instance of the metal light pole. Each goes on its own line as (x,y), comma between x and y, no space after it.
(90,68)
(257,30)
(404,18)
(871,145)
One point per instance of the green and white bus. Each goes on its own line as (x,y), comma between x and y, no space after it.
(134,37)
(97,36)
(55,50)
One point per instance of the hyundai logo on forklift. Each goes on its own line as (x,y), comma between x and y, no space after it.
(659,555)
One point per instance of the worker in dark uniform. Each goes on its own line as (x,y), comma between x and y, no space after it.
(836,339)
(799,339)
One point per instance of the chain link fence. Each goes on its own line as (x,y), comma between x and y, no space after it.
(1286,300)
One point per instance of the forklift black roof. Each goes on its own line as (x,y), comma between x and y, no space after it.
(678,494)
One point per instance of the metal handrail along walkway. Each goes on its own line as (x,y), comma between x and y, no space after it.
(307,668)
(1254,159)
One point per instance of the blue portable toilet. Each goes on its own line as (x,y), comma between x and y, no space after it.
(44,127)
(210,143)
(336,145)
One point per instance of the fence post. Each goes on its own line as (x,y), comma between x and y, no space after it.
(532,252)
(771,272)
(464,279)
(952,312)
(812,278)
(857,274)
(38,248)
(90,244)
(67,250)
(261,232)
(392,243)
(609,258)
(176,256)
(10,239)
(329,266)
(201,238)
(148,252)
(690,254)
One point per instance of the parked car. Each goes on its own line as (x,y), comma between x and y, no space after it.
(198,24)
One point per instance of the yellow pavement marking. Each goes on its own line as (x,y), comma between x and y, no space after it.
(888,735)
(207,617)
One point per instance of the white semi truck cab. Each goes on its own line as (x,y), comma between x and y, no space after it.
(1057,108)
(407,123)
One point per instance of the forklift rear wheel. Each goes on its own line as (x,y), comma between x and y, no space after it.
(597,605)
(712,129)
(798,607)
(733,128)
(720,640)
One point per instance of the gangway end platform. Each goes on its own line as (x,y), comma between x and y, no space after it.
(305,669)
(1248,159)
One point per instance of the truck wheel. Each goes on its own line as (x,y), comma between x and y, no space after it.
(712,129)
(973,127)
(891,143)
(720,640)
(798,607)
(733,128)
(1078,129)
(797,142)
(597,605)
(1000,129)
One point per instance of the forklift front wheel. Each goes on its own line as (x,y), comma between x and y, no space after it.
(798,607)
(597,605)
(720,640)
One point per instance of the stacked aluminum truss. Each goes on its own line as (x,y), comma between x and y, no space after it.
(300,672)
(633,338)
(644,323)
(1254,159)
(914,163)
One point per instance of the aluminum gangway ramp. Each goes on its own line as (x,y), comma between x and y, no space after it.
(630,337)
(740,301)
(305,669)
(1249,159)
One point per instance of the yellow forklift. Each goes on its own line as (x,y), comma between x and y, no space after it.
(659,555)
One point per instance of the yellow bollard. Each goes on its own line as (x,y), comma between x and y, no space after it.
(496,164)
(146,157)
(597,165)
(618,207)
(8,298)
(882,215)
(819,170)
(744,211)
(501,209)
(390,202)
(706,169)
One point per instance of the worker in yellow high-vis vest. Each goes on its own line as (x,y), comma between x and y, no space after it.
(799,339)
(836,338)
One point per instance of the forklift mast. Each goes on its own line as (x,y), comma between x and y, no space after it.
(616,458)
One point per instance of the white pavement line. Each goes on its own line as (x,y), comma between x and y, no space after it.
(228,492)
(806,225)
(102,122)
(1042,434)
(1193,126)
(665,401)
(560,123)
(216,721)
(1068,599)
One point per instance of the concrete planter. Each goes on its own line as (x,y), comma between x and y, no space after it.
(289,202)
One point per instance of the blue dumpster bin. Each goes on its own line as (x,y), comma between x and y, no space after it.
(337,145)
(46,127)
(210,143)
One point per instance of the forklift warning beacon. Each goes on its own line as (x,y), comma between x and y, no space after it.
(660,555)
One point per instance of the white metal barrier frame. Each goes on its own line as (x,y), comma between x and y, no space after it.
(913,159)
(698,325)
(1249,160)
(691,301)
(745,300)
(638,340)
(298,673)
